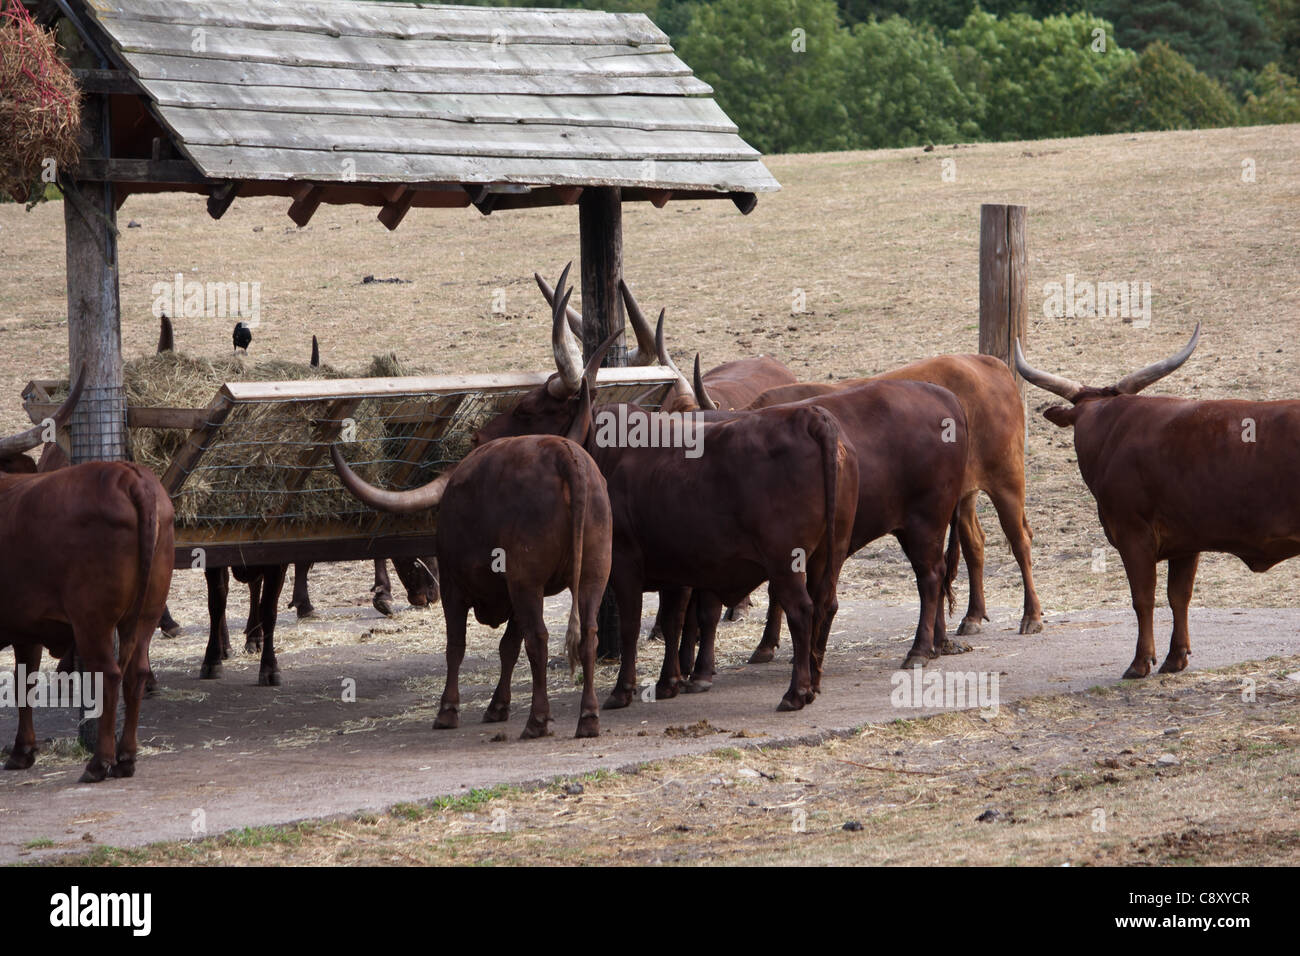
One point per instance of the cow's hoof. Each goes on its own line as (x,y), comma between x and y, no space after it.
(253,646)
(1174,663)
(917,659)
(125,767)
(448,719)
(971,625)
(793,700)
(96,771)
(305,611)
(172,631)
(1138,669)
(21,759)
(1031,625)
(268,677)
(383,604)
(210,671)
(151,685)
(588,726)
(656,634)
(949,646)
(619,698)
(762,655)
(496,713)
(534,729)
(735,614)
(697,686)
(666,689)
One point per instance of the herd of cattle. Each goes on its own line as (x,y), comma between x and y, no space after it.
(792,478)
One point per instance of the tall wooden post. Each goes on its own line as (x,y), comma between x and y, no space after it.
(1004,282)
(98,424)
(600,225)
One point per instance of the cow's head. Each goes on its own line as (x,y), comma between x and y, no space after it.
(553,408)
(13,457)
(1080,396)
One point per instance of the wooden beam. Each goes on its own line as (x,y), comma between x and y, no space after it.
(395,209)
(1004,277)
(222,196)
(186,419)
(107,82)
(213,417)
(600,226)
(306,200)
(745,202)
(335,547)
(100,170)
(659,197)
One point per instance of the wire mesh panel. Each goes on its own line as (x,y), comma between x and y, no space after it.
(98,425)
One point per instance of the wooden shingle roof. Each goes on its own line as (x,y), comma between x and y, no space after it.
(343,91)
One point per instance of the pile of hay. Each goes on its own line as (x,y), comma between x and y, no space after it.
(247,473)
(40,105)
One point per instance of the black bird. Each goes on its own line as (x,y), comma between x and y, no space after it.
(243,336)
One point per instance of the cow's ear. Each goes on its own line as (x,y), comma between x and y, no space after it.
(1062,416)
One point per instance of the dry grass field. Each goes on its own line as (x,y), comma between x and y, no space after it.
(884,252)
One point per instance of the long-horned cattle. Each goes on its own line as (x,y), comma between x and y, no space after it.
(1174,477)
(684,520)
(518,519)
(996,466)
(87,557)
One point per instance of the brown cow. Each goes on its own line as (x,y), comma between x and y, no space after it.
(996,419)
(519,519)
(724,497)
(89,558)
(1173,477)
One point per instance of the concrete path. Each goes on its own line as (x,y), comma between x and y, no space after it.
(231,754)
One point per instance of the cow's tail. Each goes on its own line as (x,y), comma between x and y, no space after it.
(829,437)
(146,509)
(951,559)
(579,495)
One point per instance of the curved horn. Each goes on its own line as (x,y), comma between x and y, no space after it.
(315,353)
(701,396)
(166,338)
(29,439)
(568,356)
(582,421)
(399,502)
(1065,387)
(645,351)
(598,356)
(1133,383)
(570,313)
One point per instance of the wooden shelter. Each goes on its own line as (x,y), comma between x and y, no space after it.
(393,105)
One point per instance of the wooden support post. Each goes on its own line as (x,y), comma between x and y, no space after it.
(1004,279)
(600,224)
(397,204)
(98,424)
(306,200)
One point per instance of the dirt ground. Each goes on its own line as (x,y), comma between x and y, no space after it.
(883,250)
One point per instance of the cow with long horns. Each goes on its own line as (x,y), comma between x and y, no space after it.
(708,520)
(1173,477)
(88,557)
(519,519)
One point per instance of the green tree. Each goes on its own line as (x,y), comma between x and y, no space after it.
(1037,78)
(777,68)
(1275,99)
(1161,90)
(900,90)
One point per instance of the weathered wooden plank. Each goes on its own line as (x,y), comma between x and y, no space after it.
(422,56)
(186,419)
(396,20)
(97,169)
(247,162)
(334,545)
(687,113)
(179,470)
(423,384)
(184,68)
(440,413)
(446,138)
